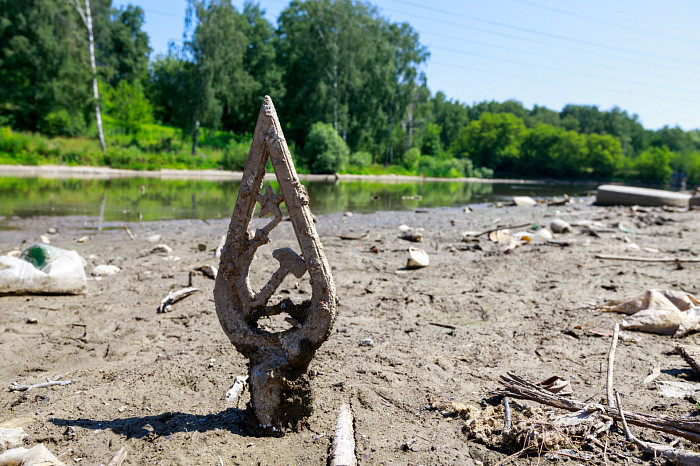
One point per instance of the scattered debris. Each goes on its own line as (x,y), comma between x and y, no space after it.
(673,389)
(43,269)
(524,201)
(558,385)
(208,271)
(653,375)
(560,226)
(82,239)
(239,385)
(153,238)
(412,236)
(691,354)
(175,296)
(353,237)
(677,260)
(344,439)
(15,387)
(11,437)
(417,258)
(104,270)
(118,458)
(37,455)
(161,249)
(366,342)
(664,312)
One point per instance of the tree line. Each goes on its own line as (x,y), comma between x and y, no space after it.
(346,81)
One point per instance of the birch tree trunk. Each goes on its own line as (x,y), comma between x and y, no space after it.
(87,20)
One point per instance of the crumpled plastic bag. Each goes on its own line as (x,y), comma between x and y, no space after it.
(664,312)
(37,455)
(63,272)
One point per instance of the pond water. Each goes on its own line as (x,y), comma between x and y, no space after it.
(128,199)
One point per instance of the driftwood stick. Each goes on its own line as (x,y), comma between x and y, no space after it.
(520,388)
(344,439)
(611,362)
(674,455)
(505,227)
(506,405)
(118,458)
(691,354)
(647,259)
(15,387)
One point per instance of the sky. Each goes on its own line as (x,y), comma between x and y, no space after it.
(640,55)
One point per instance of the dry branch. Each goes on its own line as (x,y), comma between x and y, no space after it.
(611,362)
(674,455)
(691,354)
(15,387)
(344,439)
(518,387)
(647,259)
(118,458)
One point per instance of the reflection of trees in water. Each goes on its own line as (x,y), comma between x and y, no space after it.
(158,199)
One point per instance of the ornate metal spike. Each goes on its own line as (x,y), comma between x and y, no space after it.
(279,385)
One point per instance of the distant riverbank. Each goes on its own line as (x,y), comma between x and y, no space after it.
(84,172)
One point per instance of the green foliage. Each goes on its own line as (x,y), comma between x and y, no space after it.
(360,159)
(653,165)
(63,123)
(411,158)
(235,155)
(604,155)
(325,151)
(129,107)
(492,141)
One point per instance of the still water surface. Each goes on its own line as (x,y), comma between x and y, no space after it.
(158,199)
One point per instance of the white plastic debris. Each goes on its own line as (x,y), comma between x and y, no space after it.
(237,388)
(104,270)
(524,201)
(560,226)
(37,455)
(417,258)
(10,438)
(63,275)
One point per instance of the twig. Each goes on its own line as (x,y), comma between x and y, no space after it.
(674,455)
(691,354)
(15,387)
(611,362)
(221,462)
(344,439)
(175,296)
(506,405)
(128,232)
(511,227)
(118,458)
(438,324)
(518,387)
(647,259)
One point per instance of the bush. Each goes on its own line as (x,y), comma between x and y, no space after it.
(411,158)
(654,165)
(62,123)
(361,159)
(325,151)
(129,107)
(235,155)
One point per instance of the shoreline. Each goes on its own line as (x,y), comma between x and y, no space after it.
(86,172)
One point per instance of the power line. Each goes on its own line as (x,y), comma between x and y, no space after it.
(551,68)
(603,21)
(534,41)
(539,33)
(543,55)
(562,83)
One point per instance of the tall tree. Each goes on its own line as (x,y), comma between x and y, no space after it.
(40,70)
(216,48)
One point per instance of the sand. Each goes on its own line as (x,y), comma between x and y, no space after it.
(155,383)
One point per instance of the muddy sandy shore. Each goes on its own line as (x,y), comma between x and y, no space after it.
(155,383)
